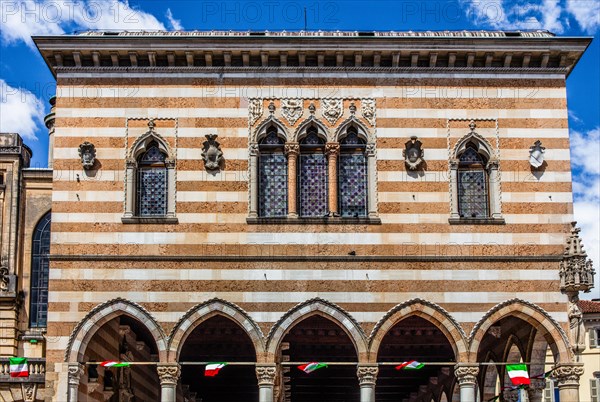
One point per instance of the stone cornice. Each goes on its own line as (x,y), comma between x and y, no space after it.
(481,51)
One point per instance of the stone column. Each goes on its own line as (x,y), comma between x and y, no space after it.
(130,188)
(567,376)
(170,163)
(454,189)
(372,180)
(466,375)
(332,149)
(75,371)
(367,376)
(253,151)
(536,390)
(292,151)
(494,180)
(266,380)
(168,373)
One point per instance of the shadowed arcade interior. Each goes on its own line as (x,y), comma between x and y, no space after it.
(317,339)
(414,338)
(122,339)
(219,339)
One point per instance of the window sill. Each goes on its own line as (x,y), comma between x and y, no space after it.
(476,221)
(336,220)
(143,220)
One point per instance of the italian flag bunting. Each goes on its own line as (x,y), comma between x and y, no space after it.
(310,367)
(113,363)
(18,367)
(410,365)
(518,374)
(212,369)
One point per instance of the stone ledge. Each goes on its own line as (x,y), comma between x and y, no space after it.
(471,221)
(148,221)
(336,220)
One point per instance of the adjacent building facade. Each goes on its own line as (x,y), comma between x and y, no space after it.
(269,199)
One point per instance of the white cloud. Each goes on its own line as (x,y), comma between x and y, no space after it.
(23,18)
(175,24)
(501,15)
(21,111)
(585,151)
(586,13)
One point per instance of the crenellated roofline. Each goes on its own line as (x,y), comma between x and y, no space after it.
(498,52)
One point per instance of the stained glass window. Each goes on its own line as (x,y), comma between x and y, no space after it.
(352,171)
(152,183)
(472,185)
(272,177)
(312,177)
(40,268)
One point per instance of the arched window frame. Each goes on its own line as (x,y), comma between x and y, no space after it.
(491,168)
(317,150)
(272,172)
(354,155)
(141,146)
(40,264)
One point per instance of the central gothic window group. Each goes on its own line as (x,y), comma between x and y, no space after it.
(344,167)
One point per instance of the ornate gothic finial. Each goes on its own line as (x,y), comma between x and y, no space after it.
(576,270)
(352,108)
(472,125)
(271,107)
(151,125)
(312,108)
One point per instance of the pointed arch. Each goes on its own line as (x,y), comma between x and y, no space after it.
(204,311)
(530,313)
(516,342)
(141,144)
(323,308)
(429,311)
(312,121)
(483,146)
(103,313)
(271,121)
(361,129)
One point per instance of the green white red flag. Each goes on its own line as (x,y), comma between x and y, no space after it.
(518,374)
(212,369)
(18,367)
(310,367)
(410,365)
(114,363)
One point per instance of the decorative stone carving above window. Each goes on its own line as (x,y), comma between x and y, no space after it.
(292,110)
(332,109)
(536,154)
(211,153)
(413,153)
(368,110)
(255,110)
(87,153)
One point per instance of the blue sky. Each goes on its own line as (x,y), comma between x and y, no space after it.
(26,83)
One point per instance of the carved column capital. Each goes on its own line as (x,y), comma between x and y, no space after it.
(454,164)
(332,149)
(75,371)
(253,149)
(266,374)
(131,163)
(567,375)
(168,373)
(292,148)
(367,375)
(466,373)
(371,149)
(493,164)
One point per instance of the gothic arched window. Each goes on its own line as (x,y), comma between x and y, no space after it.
(312,176)
(40,252)
(352,175)
(272,176)
(473,198)
(152,183)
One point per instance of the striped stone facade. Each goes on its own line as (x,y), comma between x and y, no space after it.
(406,259)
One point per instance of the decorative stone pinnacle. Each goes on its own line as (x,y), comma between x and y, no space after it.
(271,107)
(472,125)
(312,108)
(576,270)
(151,125)
(352,108)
